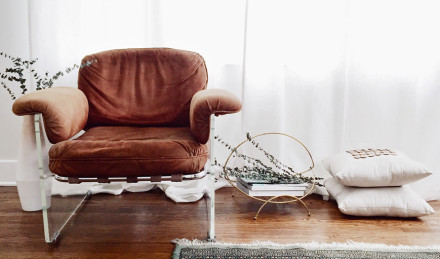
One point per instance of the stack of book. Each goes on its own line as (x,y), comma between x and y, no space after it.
(254,187)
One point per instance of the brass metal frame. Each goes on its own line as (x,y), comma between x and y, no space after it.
(274,198)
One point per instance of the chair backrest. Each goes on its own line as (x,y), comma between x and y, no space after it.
(141,87)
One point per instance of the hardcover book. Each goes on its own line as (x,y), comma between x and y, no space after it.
(257,185)
(270,193)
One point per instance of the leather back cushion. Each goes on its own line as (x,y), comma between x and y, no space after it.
(141,87)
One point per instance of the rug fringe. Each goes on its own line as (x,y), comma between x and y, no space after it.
(349,245)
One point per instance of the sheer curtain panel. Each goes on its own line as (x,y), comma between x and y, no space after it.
(336,74)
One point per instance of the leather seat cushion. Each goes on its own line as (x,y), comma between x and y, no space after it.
(112,151)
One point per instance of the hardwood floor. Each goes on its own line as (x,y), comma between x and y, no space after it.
(141,225)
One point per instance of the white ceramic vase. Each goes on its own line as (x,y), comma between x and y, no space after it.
(28,178)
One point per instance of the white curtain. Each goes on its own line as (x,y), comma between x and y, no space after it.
(347,74)
(337,75)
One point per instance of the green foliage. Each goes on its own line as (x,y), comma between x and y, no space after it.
(275,172)
(15,75)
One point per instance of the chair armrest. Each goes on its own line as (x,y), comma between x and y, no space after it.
(65,110)
(207,102)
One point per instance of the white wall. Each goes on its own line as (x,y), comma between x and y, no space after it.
(14,40)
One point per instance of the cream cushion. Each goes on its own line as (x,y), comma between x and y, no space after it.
(375,171)
(380,201)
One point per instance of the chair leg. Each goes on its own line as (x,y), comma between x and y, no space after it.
(54,238)
(211,208)
(54,220)
(211,185)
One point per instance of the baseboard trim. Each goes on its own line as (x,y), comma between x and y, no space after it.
(8,184)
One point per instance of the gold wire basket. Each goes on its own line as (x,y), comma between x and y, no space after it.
(274,199)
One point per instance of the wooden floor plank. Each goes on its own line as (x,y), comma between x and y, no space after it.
(142,225)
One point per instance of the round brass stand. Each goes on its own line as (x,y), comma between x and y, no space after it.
(273,199)
(276,197)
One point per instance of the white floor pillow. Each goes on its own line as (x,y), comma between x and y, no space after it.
(374,168)
(379,201)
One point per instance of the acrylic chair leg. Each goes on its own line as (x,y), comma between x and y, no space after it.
(45,188)
(211,186)
(42,176)
(211,209)
(57,234)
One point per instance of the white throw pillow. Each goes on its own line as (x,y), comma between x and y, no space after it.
(374,169)
(380,201)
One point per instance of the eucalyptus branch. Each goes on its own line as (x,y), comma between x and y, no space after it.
(47,81)
(9,90)
(255,162)
(16,74)
(278,164)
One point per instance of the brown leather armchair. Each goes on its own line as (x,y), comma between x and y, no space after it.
(146,115)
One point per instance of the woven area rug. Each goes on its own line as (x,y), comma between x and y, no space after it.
(191,249)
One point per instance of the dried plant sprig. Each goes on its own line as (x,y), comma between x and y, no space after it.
(20,67)
(260,171)
(250,160)
(9,90)
(273,160)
